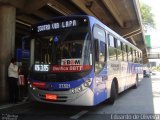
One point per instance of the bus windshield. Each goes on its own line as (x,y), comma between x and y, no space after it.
(68,47)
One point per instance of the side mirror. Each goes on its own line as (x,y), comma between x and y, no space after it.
(96,45)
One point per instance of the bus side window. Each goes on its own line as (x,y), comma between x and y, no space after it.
(133,55)
(129,54)
(140,57)
(136,60)
(112,48)
(122,51)
(124,48)
(119,50)
(136,57)
(100,48)
(102,55)
(127,49)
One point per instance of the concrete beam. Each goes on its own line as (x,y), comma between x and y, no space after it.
(145,59)
(16,3)
(27,19)
(23,23)
(99,11)
(33,5)
(138,13)
(22,27)
(81,4)
(134,33)
(114,11)
(133,41)
(22,32)
(42,14)
(129,31)
(124,31)
(60,8)
(26,6)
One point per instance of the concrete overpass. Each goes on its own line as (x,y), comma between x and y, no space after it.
(16,17)
(153,53)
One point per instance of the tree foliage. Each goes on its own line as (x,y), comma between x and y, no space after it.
(147,16)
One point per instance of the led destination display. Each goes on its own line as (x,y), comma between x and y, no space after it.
(57,25)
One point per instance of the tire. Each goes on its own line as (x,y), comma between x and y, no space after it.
(113,94)
(136,83)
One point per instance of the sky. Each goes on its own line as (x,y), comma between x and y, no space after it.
(155,34)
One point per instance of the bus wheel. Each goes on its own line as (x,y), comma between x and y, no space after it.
(113,93)
(136,83)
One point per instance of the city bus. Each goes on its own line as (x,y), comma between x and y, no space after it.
(77,60)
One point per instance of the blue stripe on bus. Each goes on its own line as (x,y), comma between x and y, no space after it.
(70,84)
(100,91)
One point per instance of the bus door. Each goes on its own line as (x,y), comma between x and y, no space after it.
(100,79)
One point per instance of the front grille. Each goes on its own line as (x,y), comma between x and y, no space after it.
(55,100)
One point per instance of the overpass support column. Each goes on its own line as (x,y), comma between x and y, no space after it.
(7,43)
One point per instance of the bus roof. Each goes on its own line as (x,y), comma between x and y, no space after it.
(113,33)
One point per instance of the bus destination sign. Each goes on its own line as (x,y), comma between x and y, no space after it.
(57,25)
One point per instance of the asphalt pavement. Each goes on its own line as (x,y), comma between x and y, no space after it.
(133,104)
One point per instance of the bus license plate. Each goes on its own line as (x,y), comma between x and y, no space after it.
(51,97)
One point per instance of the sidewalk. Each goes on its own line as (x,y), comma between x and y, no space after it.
(155,79)
(8,105)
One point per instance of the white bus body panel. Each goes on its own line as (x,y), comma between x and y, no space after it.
(84,98)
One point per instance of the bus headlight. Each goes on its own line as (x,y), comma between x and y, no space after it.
(33,88)
(87,83)
(30,86)
(82,87)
